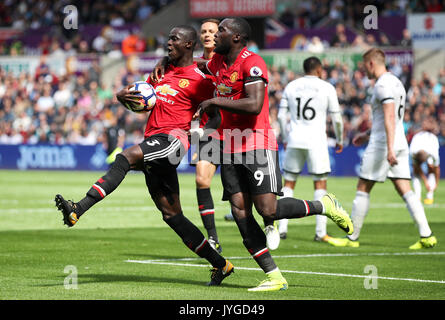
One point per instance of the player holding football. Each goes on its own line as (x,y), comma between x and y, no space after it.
(179,93)
(387,153)
(308,100)
(250,173)
(424,148)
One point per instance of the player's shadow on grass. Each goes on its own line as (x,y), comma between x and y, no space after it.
(150,256)
(113,278)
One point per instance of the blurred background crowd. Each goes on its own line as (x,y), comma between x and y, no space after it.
(80,109)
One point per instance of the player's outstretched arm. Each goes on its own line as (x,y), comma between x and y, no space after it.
(251,104)
(361,138)
(202,65)
(436,171)
(417,170)
(159,70)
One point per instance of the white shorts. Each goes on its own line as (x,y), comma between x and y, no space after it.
(318,163)
(375,166)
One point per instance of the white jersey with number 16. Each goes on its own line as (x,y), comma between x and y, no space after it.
(309,99)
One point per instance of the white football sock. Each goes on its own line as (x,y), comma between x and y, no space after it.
(417,212)
(320,219)
(417,187)
(432,183)
(360,207)
(282,224)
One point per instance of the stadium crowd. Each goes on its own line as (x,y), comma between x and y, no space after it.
(48,17)
(32,15)
(309,14)
(78,109)
(29,14)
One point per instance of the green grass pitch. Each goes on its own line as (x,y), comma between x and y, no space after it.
(121,249)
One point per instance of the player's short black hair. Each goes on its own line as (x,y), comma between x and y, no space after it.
(310,64)
(190,33)
(242,27)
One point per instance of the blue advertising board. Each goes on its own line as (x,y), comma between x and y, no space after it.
(80,157)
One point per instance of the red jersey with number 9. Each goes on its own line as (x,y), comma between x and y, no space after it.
(242,132)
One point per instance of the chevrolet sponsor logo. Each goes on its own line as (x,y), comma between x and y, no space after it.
(165,89)
(223,89)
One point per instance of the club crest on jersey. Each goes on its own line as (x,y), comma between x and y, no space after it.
(183,83)
(223,89)
(165,89)
(255,72)
(234,77)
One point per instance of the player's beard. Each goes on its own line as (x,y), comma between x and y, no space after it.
(222,48)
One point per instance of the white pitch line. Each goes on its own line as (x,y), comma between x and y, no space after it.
(315,255)
(171,263)
(138,207)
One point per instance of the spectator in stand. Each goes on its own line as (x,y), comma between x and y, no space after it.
(433,6)
(340,33)
(315,46)
(56,112)
(406,38)
(132,44)
(360,43)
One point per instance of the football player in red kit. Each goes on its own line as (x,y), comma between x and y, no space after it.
(250,174)
(179,93)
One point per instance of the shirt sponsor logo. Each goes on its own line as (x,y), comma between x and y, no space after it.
(223,89)
(165,89)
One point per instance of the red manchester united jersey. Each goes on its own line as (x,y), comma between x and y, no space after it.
(242,132)
(178,95)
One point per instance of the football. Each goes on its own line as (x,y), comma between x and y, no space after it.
(147,97)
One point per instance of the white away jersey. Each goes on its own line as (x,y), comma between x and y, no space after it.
(428,142)
(309,99)
(388,88)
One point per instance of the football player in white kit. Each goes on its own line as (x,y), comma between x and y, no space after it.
(387,154)
(424,148)
(307,101)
